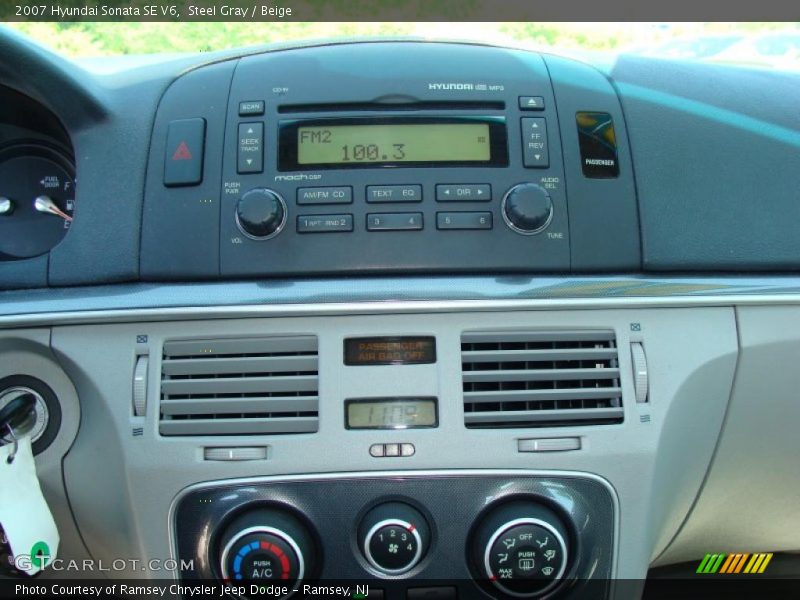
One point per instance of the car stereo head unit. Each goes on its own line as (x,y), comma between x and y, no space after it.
(344,159)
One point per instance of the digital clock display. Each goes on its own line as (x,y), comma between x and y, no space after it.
(370,142)
(391,413)
(408,142)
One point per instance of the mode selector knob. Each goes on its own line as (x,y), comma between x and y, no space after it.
(260,214)
(527,208)
(521,549)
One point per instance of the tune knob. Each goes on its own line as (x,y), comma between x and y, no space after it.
(521,549)
(260,214)
(527,208)
(264,545)
(394,538)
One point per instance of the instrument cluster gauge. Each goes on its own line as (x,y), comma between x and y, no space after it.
(37,200)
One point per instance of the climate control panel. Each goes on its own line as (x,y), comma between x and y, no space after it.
(505,535)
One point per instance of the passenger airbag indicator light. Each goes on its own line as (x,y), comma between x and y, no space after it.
(598,143)
(389,351)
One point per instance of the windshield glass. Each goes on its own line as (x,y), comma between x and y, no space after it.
(761,45)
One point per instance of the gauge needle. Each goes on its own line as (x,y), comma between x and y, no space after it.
(6,206)
(45,205)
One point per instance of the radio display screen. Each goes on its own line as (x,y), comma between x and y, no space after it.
(387,142)
(440,142)
(391,413)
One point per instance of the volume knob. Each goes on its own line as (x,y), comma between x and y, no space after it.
(260,214)
(527,208)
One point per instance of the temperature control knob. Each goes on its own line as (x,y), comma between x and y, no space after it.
(394,537)
(527,208)
(266,544)
(260,214)
(521,549)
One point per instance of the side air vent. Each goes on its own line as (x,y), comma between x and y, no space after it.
(540,379)
(239,386)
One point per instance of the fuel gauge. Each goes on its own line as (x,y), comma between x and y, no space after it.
(37,200)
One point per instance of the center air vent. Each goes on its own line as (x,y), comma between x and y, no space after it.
(540,379)
(239,386)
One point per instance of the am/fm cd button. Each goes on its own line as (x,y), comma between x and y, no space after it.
(325,195)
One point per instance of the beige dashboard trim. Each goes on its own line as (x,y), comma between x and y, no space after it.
(189,313)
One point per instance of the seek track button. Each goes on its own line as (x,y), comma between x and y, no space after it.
(250,156)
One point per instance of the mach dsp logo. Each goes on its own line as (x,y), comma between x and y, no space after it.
(731,564)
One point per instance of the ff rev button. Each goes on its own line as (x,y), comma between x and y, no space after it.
(183,161)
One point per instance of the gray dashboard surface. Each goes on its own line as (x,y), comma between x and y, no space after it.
(717,161)
(714,152)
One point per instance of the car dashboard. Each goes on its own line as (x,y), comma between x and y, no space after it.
(448,319)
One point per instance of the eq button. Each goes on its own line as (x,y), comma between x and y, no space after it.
(464,193)
(394,221)
(394,193)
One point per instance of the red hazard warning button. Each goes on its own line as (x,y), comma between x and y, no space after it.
(183,160)
(182,153)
